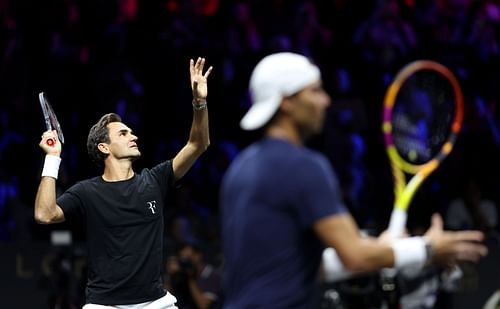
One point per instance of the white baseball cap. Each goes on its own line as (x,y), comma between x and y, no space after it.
(274,77)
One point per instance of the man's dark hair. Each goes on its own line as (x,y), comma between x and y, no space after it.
(99,133)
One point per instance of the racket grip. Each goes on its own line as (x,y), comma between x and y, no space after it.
(397,222)
(51,142)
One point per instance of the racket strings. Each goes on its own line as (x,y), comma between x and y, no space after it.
(422,115)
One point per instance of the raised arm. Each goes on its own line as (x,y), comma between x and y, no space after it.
(199,138)
(46,209)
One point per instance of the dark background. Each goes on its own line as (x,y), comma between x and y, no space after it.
(132,57)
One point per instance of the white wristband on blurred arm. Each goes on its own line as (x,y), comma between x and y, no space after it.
(51,166)
(410,252)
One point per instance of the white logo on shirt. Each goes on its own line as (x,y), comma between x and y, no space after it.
(152,206)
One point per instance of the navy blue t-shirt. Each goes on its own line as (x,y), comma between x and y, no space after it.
(271,196)
(124,223)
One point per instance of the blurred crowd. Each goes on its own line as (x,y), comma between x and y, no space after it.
(132,57)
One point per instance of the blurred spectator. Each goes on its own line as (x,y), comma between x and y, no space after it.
(472,210)
(344,144)
(449,29)
(195,282)
(422,290)
(242,34)
(61,282)
(310,37)
(483,36)
(385,38)
(179,231)
(428,288)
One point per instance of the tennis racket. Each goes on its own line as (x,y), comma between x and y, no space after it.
(51,122)
(422,117)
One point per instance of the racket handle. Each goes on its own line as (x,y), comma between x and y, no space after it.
(397,222)
(51,142)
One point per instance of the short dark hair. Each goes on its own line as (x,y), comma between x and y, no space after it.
(99,133)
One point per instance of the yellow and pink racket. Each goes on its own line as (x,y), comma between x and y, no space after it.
(422,117)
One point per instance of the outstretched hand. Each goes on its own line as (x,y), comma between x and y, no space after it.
(198,79)
(450,247)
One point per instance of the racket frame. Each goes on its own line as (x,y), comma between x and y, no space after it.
(49,116)
(403,190)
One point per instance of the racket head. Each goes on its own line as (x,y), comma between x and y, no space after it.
(51,122)
(422,116)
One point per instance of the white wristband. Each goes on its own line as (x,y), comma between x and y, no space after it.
(409,252)
(51,166)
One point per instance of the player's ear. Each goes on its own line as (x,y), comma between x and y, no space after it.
(287,103)
(103,147)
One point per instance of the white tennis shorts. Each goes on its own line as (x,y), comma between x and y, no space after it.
(166,302)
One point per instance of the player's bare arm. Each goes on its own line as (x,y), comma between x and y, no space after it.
(365,254)
(357,253)
(199,138)
(46,209)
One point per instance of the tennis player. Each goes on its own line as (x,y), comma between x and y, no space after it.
(281,203)
(122,209)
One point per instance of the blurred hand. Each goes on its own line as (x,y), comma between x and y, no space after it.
(450,247)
